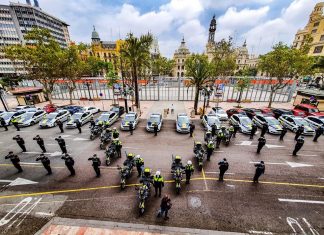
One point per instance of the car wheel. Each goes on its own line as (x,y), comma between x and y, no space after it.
(32,123)
(294,130)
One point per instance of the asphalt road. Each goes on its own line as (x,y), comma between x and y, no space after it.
(288,199)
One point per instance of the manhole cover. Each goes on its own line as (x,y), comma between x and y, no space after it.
(194,202)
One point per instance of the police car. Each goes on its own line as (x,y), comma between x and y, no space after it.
(9,116)
(315,121)
(31,118)
(92,110)
(220,113)
(243,122)
(108,118)
(209,120)
(82,117)
(130,117)
(154,118)
(182,123)
(293,122)
(50,119)
(274,125)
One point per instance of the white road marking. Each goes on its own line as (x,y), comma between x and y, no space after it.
(291,222)
(55,154)
(260,232)
(30,163)
(307,155)
(321,178)
(217,172)
(291,164)
(18,181)
(300,201)
(108,167)
(131,148)
(245,143)
(230,185)
(274,146)
(32,152)
(44,214)
(271,163)
(56,145)
(79,139)
(218,151)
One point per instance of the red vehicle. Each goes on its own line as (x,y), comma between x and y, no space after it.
(230,112)
(305,110)
(50,108)
(267,111)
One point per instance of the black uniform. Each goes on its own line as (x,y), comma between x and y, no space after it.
(191,128)
(15,161)
(253,130)
(319,131)
(60,125)
(15,124)
(299,145)
(299,132)
(61,143)
(265,129)
(115,134)
(214,129)
(20,142)
(236,128)
(40,142)
(155,129)
(219,138)
(92,123)
(131,127)
(260,169)
(46,163)
(3,124)
(69,162)
(78,125)
(223,167)
(283,133)
(118,149)
(96,163)
(262,142)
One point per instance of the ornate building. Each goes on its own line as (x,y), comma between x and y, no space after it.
(315,29)
(242,57)
(180,57)
(210,46)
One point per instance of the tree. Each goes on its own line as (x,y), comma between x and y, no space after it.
(251,72)
(96,67)
(135,51)
(199,70)
(112,79)
(282,65)
(162,65)
(241,84)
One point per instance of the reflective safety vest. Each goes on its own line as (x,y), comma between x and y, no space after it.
(210,145)
(158,179)
(189,167)
(139,161)
(231,129)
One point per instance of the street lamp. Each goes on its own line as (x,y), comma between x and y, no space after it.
(88,86)
(124,86)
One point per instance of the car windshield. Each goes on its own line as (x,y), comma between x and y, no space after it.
(52,116)
(7,115)
(321,117)
(246,121)
(272,121)
(104,117)
(220,111)
(77,116)
(183,119)
(129,118)
(27,115)
(300,121)
(154,119)
(257,111)
(213,120)
(313,111)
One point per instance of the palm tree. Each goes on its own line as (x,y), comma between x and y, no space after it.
(199,70)
(136,51)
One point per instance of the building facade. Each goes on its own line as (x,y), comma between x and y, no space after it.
(210,46)
(16,20)
(313,29)
(180,57)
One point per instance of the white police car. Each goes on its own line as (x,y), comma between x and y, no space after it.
(130,117)
(274,125)
(50,119)
(293,122)
(108,118)
(82,117)
(31,118)
(154,118)
(243,122)
(209,120)
(182,123)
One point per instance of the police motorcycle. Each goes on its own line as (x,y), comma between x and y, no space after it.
(199,154)
(111,152)
(144,191)
(126,170)
(95,131)
(177,170)
(105,137)
(226,136)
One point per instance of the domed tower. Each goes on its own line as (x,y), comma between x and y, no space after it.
(212,30)
(95,36)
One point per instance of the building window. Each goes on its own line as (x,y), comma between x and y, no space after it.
(182,67)
(314,30)
(322,38)
(182,60)
(178,67)
(182,74)
(178,74)
(316,24)
(238,61)
(318,49)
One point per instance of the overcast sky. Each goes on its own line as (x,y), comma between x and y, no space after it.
(261,22)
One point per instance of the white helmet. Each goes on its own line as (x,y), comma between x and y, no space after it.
(158,173)
(114,128)
(189,162)
(137,156)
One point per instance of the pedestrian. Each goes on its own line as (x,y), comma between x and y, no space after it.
(165,207)
(69,162)
(253,130)
(210,149)
(191,128)
(262,141)
(219,138)
(236,129)
(21,142)
(40,142)
(131,127)
(3,124)
(78,125)
(46,163)
(214,129)
(283,133)
(158,183)
(299,145)
(189,170)
(260,169)
(60,125)
(299,131)
(61,143)
(95,164)
(15,123)
(265,129)
(318,132)
(15,161)
(155,128)
(172,109)
(139,162)
(223,167)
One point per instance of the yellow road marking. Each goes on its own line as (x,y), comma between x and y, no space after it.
(204,177)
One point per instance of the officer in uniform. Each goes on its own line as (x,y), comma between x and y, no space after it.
(260,169)
(20,141)
(155,127)
(95,164)
(60,125)
(61,143)
(210,149)
(130,160)
(3,124)
(69,162)
(131,127)
(191,128)
(253,130)
(262,141)
(15,161)
(219,137)
(299,132)
(265,129)
(231,131)
(299,145)
(15,123)
(40,142)
(189,170)
(223,167)
(283,133)
(236,129)
(46,162)
(115,133)
(214,129)
(92,123)
(78,125)
(319,131)
(139,163)
(119,146)
(147,178)
(177,163)
(158,183)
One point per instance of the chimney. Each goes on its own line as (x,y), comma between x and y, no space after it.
(28,2)
(36,3)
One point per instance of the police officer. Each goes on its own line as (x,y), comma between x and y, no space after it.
(155,128)
(283,133)
(158,183)
(15,161)
(177,163)
(262,141)
(253,130)
(223,167)
(236,129)
(260,169)
(115,133)
(319,131)
(299,132)
(139,162)
(265,129)
(20,141)
(210,149)
(219,137)
(131,127)
(92,123)
(214,129)
(78,125)
(15,123)
(40,142)
(119,146)
(46,162)
(147,178)
(231,131)
(60,125)
(299,145)
(3,124)
(189,170)
(61,143)
(95,164)
(69,162)
(191,128)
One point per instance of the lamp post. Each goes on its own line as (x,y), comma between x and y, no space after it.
(124,86)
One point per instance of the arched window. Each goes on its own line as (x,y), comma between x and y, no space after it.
(182,74)
(178,74)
